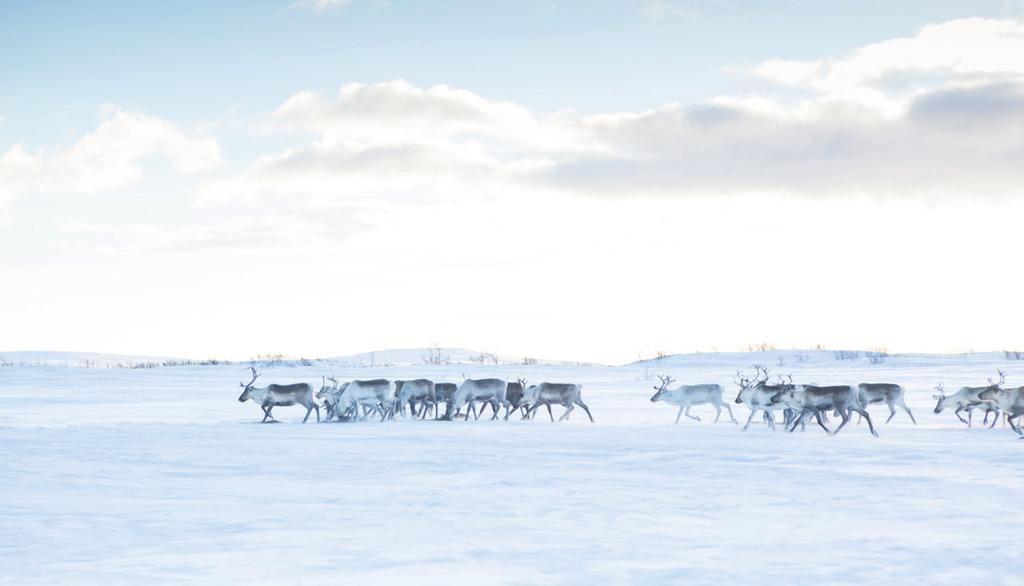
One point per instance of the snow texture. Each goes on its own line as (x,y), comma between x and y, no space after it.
(160,476)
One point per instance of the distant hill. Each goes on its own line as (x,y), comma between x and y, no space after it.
(91,359)
(776,359)
(420,356)
(392,357)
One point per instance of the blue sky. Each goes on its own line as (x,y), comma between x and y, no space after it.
(167,169)
(200,60)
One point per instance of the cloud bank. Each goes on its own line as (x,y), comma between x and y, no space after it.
(936,115)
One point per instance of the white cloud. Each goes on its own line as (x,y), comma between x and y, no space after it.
(965,49)
(396,141)
(110,157)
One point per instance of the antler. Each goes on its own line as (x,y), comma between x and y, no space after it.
(255,375)
(522,382)
(785,379)
(1002,379)
(665,381)
(761,374)
(741,380)
(939,387)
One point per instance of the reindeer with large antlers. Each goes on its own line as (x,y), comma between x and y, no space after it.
(758,395)
(686,396)
(272,396)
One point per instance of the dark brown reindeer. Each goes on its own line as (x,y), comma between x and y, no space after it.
(272,396)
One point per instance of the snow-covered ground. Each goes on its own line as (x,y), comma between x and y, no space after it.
(113,476)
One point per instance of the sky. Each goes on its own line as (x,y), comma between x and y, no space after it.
(592,181)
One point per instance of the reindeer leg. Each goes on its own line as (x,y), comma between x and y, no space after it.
(797,421)
(568,409)
(729,409)
(769,419)
(961,417)
(494,405)
(679,414)
(903,405)
(586,409)
(868,417)
(753,411)
(687,413)
(892,411)
(532,411)
(548,405)
(265,414)
(1014,426)
(817,415)
(718,412)
(845,414)
(994,419)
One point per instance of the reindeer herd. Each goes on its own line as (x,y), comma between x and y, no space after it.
(421,398)
(360,399)
(796,402)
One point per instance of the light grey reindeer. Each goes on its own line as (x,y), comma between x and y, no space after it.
(758,395)
(1009,401)
(686,396)
(889,393)
(331,397)
(372,395)
(966,399)
(567,395)
(473,391)
(272,396)
(415,392)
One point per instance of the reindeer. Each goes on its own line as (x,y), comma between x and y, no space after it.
(841,399)
(331,395)
(966,399)
(411,392)
(473,390)
(272,396)
(1009,401)
(514,395)
(371,395)
(567,395)
(760,396)
(443,393)
(888,393)
(686,396)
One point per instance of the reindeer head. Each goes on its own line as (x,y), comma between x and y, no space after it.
(997,384)
(746,384)
(327,390)
(514,392)
(247,386)
(940,398)
(662,388)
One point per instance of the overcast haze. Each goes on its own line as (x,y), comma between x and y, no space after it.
(581,180)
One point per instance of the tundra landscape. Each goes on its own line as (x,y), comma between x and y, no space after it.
(160,475)
(564,292)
